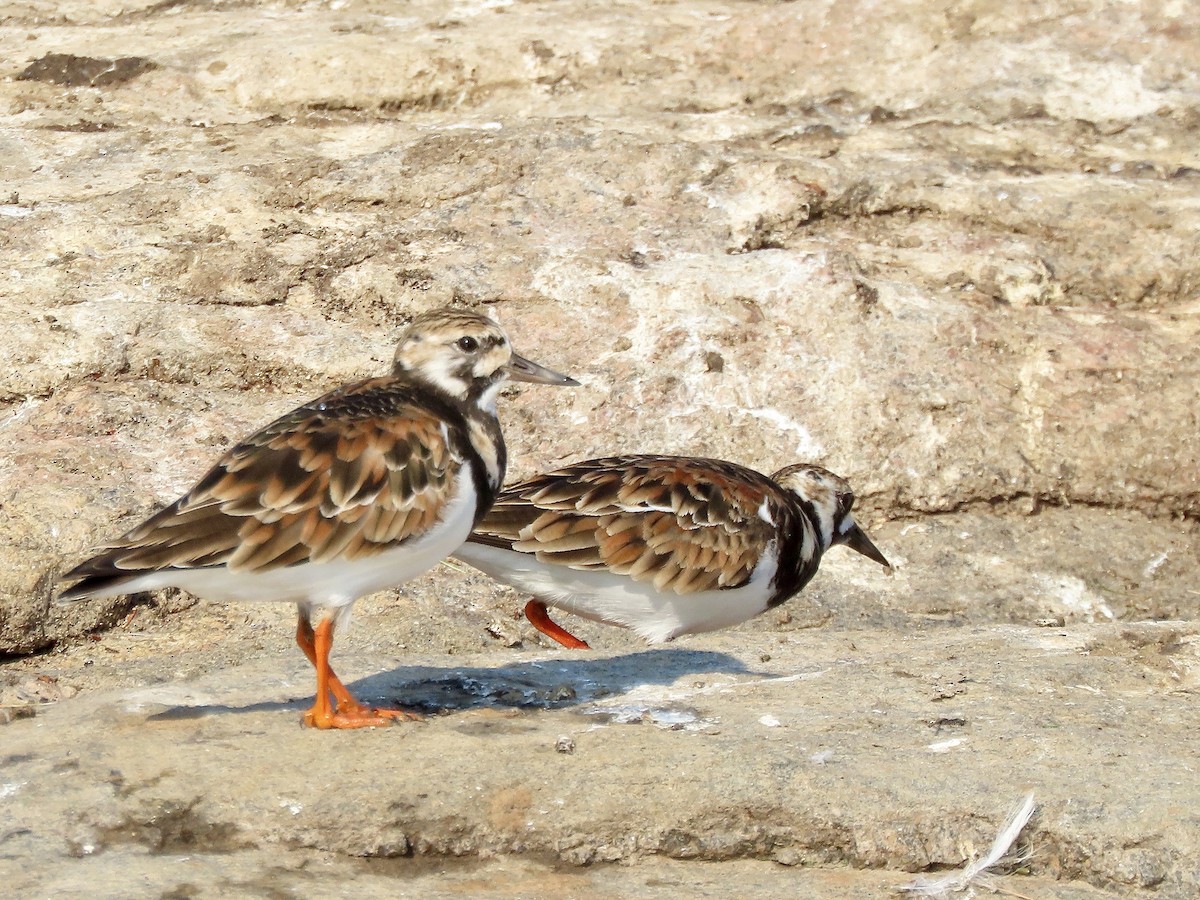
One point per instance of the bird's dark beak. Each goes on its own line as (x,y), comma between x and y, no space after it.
(856,539)
(521,369)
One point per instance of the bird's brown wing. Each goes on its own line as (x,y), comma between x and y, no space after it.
(684,524)
(346,476)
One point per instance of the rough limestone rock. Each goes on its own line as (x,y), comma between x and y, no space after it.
(951,251)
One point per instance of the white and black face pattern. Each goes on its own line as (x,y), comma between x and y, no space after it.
(464,354)
(829,500)
(827,495)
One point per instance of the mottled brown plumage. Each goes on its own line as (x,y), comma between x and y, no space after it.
(683,524)
(664,545)
(357,490)
(336,478)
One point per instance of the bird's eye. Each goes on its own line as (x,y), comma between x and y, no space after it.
(467,344)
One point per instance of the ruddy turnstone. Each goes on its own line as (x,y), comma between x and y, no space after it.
(358,490)
(663,545)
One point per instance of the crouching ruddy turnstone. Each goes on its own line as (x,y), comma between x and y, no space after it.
(358,490)
(663,545)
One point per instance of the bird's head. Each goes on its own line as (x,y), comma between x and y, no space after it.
(466,355)
(830,499)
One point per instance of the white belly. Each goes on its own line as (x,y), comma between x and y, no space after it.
(333,584)
(613,599)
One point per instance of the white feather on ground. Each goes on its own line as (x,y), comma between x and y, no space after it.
(975,873)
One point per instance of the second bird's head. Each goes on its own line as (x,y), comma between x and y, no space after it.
(830,498)
(466,355)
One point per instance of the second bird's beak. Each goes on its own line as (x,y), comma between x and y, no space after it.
(521,369)
(856,539)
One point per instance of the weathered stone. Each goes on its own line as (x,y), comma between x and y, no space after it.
(824,756)
(950,252)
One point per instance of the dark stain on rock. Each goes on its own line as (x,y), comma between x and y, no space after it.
(69,70)
(172,827)
(83,126)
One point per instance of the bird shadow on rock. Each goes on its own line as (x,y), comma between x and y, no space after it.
(540,684)
(537,684)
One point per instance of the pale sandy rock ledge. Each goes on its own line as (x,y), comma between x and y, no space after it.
(819,751)
(949,251)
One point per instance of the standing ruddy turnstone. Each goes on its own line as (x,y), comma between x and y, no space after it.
(663,545)
(358,490)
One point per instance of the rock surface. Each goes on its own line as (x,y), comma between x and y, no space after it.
(823,751)
(950,251)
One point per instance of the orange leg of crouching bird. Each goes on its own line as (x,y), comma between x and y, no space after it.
(348,712)
(539,618)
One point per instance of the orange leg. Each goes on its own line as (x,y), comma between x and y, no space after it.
(316,644)
(539,618)
(307,643)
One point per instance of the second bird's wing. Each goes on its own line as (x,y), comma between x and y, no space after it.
(684,524)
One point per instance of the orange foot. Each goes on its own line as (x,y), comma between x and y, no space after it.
(539,618)
(348,712)
(356,716)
